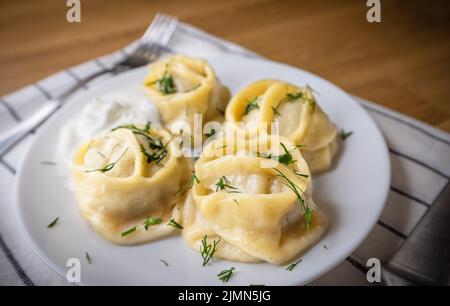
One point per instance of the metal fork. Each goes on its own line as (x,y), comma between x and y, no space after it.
(151,45)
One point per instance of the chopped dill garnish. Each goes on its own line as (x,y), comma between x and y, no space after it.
(288,183)
(174,223)
(251,105)
(88,258)
(292,266)
(156,156)
(128,232)
(286,158)
(159,150)
(225,275)
(264,155)
(301,174)
(151,221)
(189,184)
(292,97)
(345,135)
(109,166)
(275,110)
(308,214)
(165,83)
(53,223)
(134,128)
(223,183)
(211,133)
(207,250)
(235,201)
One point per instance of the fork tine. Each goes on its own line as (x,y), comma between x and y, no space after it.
(160,35)
(171,28)
(154,40)
(172,24)
(167,26)
(154,26)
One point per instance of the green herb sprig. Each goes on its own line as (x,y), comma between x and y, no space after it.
(292,97)
(88,258)
(134,128)
(285,158)
(251,105)
(292,266)
(301,174)
(128,231)
(155,156)
(297,191)
(109,166)
(225,275)
(175,224)
(344,135)
(150,221)
(207,250)
(165,84)
(193,179)
(211,133)
(53,223)
(158,149)
(224,183)
(276,111)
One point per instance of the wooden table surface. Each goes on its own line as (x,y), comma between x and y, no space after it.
(402,63)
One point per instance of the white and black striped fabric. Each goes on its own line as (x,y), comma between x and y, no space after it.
(420,157)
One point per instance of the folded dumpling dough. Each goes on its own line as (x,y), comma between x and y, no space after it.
(299,118)
(246,203)
(182,86)
(125,176)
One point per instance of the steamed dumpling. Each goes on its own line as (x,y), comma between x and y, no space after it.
(242,198)
(181,87)
(297,113)
(126,176)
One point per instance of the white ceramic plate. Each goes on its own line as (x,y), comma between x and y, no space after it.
(352,195)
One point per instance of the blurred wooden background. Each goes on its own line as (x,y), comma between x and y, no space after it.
(402,63)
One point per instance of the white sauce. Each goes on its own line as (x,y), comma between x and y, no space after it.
(100,115)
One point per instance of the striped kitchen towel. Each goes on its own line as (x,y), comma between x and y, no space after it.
(420,157)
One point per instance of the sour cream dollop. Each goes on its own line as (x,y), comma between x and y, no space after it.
(101,114)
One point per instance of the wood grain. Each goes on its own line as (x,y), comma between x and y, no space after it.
(402,63)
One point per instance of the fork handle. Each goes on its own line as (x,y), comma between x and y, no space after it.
(12,136)
(8,139)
